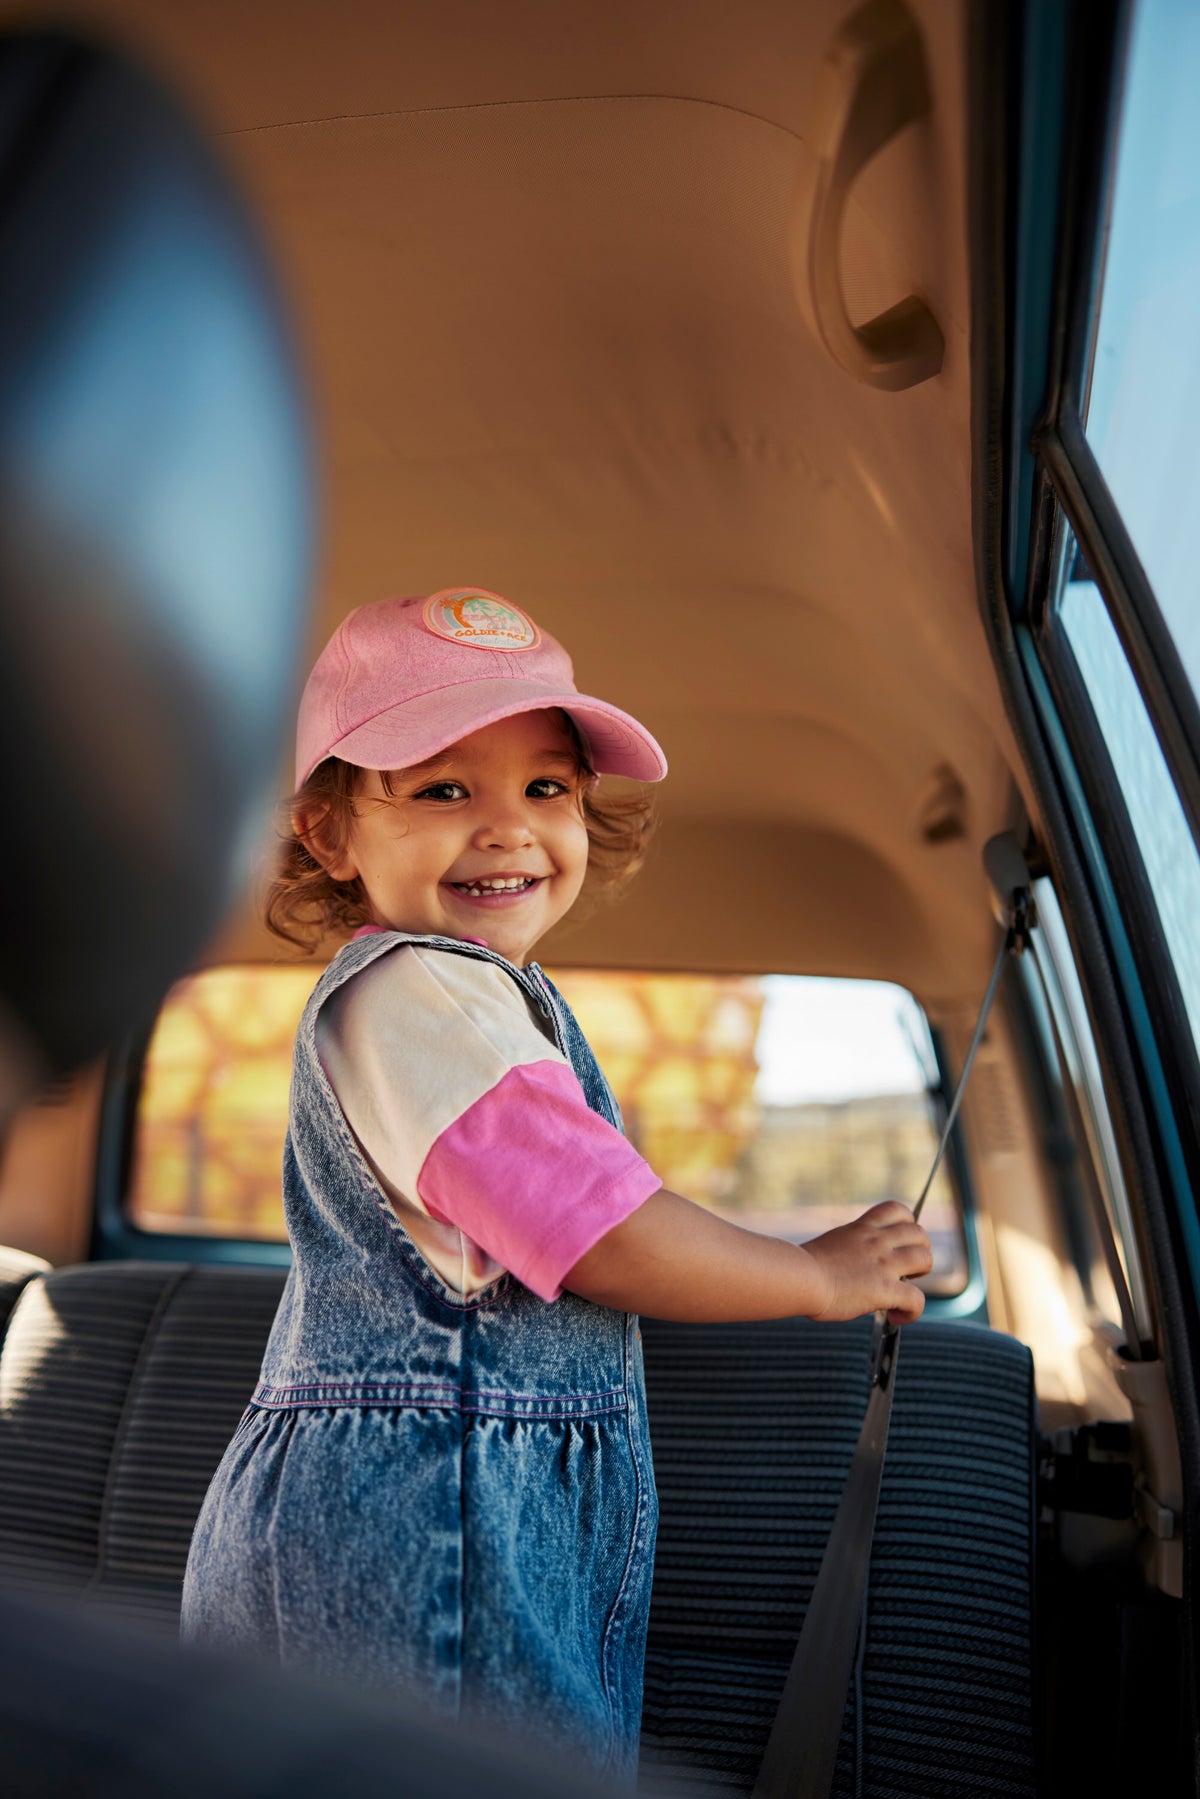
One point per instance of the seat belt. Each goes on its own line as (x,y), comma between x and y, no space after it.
(801,1753)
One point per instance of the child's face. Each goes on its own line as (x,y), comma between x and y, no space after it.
(500,805)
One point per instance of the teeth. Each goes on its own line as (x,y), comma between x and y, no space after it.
(478,888)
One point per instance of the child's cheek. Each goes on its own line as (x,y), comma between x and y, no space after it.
(584,845)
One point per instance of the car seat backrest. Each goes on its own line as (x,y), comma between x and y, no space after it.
(754,1426)
(122,1382)
(17,1269)
(120,1385)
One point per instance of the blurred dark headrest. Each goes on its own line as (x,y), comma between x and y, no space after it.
(155,540)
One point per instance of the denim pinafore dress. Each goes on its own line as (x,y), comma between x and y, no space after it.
(448,1494)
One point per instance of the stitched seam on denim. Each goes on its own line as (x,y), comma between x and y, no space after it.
(447,1397)
(617,1395)
(417,1263)
(558,1013)
(462,1546)
(317,1403)
(636,1544)
(153,1325)
(279,1585)
(548,997)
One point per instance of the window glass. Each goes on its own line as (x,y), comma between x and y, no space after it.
(787,1104)
(1156,814)
(1083,1069)
(1145,392)
(213,1107)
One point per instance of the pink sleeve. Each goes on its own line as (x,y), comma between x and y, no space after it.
(533,1175)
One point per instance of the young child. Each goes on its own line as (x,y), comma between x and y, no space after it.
(443,1480)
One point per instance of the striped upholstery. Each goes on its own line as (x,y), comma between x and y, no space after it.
(754,1427)
(17,1269)
(120,1384)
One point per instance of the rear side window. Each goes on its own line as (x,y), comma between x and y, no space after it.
(1104,609)
(1155,811)
(212,1111)
(787,1104)
(1145,386)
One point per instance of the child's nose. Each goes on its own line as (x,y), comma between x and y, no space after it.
(508,829)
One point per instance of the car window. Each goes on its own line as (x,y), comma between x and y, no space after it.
(1092,1122)
(1164,837)
(788,1104)
(213,1104)
(1104,612)
(1145,385)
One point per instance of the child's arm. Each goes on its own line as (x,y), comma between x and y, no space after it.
(672,1259)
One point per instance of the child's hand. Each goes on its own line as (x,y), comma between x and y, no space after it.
(869,1265)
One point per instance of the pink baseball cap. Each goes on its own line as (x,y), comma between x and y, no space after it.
(404,678)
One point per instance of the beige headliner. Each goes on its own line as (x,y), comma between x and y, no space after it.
(539,256)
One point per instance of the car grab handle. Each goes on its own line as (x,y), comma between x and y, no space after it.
(873,82)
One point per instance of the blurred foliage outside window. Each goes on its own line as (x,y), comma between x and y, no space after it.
(694,1061)
(213,1107)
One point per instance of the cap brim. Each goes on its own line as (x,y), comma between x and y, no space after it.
(421,727)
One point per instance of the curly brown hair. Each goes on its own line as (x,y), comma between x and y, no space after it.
(304,903)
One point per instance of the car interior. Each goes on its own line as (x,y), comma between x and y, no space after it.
(750,351)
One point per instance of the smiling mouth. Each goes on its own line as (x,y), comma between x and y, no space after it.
(505,888)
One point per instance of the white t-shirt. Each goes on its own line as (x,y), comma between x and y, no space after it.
(473,1120)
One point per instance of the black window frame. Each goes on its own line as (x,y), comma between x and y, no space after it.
(1066,64)
(1069,490)
(1043,108)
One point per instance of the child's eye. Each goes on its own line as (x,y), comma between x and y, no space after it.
(546,789)
(442,791)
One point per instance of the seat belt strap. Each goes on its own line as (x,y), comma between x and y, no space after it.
(801,1752)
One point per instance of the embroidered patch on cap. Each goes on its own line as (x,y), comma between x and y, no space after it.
(479,619)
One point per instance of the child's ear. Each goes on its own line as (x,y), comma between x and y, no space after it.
(316,830)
